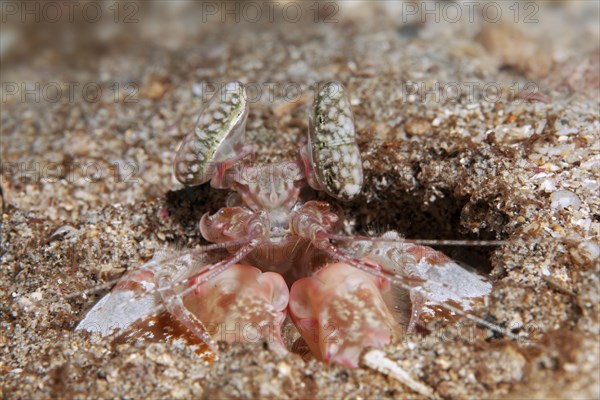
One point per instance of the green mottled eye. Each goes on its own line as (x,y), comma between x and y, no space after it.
(216,137)
(332,143)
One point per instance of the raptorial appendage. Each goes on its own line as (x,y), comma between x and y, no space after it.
(340,311)
(133,299)
(242,304)
(429,279)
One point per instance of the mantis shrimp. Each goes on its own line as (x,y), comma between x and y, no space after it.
(274,249)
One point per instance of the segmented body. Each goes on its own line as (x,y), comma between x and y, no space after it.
(274,248)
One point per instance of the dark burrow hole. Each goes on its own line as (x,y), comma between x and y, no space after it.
(408,215)
(187,205)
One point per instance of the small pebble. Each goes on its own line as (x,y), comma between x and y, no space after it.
(417,126)
(564,198)
(586,252)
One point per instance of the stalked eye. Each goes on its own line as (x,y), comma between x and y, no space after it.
(336,160)
(217,136)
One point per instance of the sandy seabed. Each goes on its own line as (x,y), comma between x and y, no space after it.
(455,145)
